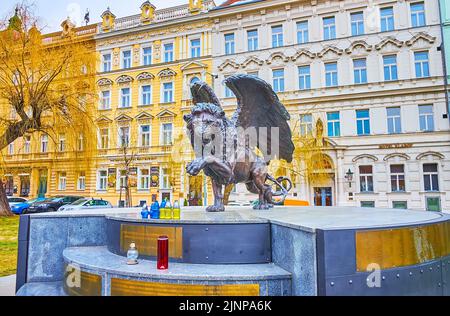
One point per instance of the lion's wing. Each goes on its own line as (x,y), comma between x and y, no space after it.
(203,93)
(259,106)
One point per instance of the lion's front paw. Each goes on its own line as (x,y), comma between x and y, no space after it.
(194,167)
(215,208)
(261,206)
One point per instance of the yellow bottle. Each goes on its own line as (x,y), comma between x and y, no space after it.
(176,212)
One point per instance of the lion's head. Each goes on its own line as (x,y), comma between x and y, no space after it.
(206,122)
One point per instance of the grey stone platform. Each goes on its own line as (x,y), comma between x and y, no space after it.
(100,260)
(312,250)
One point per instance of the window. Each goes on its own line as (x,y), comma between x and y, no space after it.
(394,122)
(144,131)
(304,77)
(390,67)
(80,143)
(397,178)
(387,19)
(144,179)
(11,149)
(124,136)
(44,143)
(418,14)
(430,177)
(302,32)
(366,178)
(306,124)
(421,64)
(165,183)
(104,138)
(360,71)
(123,179)
(27,144)
(147,56)
(331,75)
(277,36)
(278,80)
(166,134)
(126,59)
(252,40)
(81,182)
(167,92)
(102,180)
(106,62)
(106,100)
(329,28)
(62,142)
(357,21)
(403,205)
(229,44)
(363,122)
(146,95)
(62,181)
(125,98)
(367,203)
(168,52)
(253,73)
(433,204)
(426,121)
(334,124)
(195,48)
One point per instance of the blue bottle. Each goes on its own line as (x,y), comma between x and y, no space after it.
(154,210)
(144,212)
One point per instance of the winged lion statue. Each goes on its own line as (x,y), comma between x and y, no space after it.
(235,150)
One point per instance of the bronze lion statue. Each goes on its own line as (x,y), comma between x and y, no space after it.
(226,149)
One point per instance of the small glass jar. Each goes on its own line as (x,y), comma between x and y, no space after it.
(132,254)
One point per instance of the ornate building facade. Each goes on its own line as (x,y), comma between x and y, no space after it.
(370,73)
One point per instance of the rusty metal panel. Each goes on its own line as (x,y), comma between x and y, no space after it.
(406,246)
(124,287)
(146,238)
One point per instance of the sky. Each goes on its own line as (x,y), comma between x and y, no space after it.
(53,12)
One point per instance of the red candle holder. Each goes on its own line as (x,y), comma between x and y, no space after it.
(163,253)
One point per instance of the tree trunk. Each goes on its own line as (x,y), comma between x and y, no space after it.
(5,210)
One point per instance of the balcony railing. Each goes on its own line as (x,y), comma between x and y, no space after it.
(160,16)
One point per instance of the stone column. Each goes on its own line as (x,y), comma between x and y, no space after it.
(340,179)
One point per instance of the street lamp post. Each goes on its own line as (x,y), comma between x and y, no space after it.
(349,177)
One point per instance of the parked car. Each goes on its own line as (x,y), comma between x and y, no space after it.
(22,208)
(15,200)
(82,204)
(52,204)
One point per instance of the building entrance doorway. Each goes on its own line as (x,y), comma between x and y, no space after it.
(42,189)
(323,196)
(195,190)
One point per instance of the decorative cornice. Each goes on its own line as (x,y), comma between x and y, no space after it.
(393,155)
(359,43)
(275,55)
(197,64)
(103,119)
(422,35)
(144,116)
(166,113)
(301,52)
(389,40)
(104,82)
(145,76)
(430,153)
(124,79)
(228,62)
(123,117)
(167,73)
(359,157)
(330,48)
(251,59)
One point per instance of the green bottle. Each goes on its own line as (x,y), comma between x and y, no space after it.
(176,210)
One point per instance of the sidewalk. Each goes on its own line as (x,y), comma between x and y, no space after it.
(8,285)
